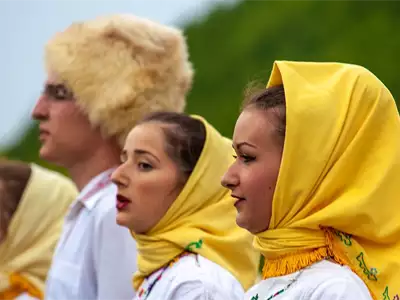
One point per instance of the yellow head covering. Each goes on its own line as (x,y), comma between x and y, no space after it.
(201,219)
(338,189)
(26,253)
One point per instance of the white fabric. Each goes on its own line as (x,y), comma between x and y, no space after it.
(193,277)
(322,281)
(95,258)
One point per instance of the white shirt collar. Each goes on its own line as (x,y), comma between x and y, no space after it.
(87,196)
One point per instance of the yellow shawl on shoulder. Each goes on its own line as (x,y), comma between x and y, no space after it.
(26,253)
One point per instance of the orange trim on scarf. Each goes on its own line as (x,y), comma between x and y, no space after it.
(295,262)
(18,286)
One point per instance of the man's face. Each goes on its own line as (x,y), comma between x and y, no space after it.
(64,130)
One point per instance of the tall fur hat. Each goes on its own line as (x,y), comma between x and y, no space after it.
(120,68)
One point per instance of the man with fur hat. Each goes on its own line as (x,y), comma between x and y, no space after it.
(103,75)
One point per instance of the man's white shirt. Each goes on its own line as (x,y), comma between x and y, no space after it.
(95,258)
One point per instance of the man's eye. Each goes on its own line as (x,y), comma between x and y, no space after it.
(58,92)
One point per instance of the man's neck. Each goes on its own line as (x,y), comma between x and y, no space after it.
(84,171)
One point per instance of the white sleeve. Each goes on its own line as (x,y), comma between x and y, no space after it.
(340,289)
(198,290)
(114,258)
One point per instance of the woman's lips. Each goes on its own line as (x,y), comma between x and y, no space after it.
(122,202)
(238,200)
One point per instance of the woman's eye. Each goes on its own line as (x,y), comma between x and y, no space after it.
(145,166)
(244,158)
(247,159)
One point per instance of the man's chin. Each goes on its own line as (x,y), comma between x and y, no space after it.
(47,154)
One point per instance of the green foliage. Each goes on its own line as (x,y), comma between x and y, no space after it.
(27,149)
(233,46)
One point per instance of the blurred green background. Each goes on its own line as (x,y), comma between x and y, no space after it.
(234,45)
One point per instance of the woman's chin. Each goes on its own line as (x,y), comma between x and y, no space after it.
(241,221)
(122,219)
(248,224)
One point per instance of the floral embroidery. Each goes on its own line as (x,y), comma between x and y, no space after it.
(196,245)
(344,237)
(386,294)
(371,274)
(254,297)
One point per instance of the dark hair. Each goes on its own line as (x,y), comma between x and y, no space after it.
(266,98)
(185,137)
(14,177)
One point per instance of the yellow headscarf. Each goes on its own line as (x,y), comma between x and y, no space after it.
(202,220)
(338,190)
(26,253)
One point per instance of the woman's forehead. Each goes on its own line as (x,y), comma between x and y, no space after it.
(148,137)
(254,126)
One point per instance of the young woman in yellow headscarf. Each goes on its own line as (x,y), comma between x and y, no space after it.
(317,181)
(33,202)
(189,246)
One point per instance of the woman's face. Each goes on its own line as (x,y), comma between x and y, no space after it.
(252,177)
(147,180)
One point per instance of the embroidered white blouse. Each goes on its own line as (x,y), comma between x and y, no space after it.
(322,281)
(193,277)
(95,258)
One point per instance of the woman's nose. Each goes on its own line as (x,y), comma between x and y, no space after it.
(117,176)
(229,180)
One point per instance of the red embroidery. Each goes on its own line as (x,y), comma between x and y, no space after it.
(99,186)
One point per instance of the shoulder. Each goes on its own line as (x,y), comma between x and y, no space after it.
(323,280)
(335,282)
(326,270)
(340,289)
(195,277)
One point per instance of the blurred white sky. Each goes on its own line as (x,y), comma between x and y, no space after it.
(26,25)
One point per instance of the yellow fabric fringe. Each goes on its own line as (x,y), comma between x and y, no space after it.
(18,286)
(292,263)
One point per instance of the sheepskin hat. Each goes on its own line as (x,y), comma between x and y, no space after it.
(120,68)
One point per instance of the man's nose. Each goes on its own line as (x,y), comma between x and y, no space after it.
(40,111)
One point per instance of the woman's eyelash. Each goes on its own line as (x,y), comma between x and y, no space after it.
(245,158)
(145,166)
